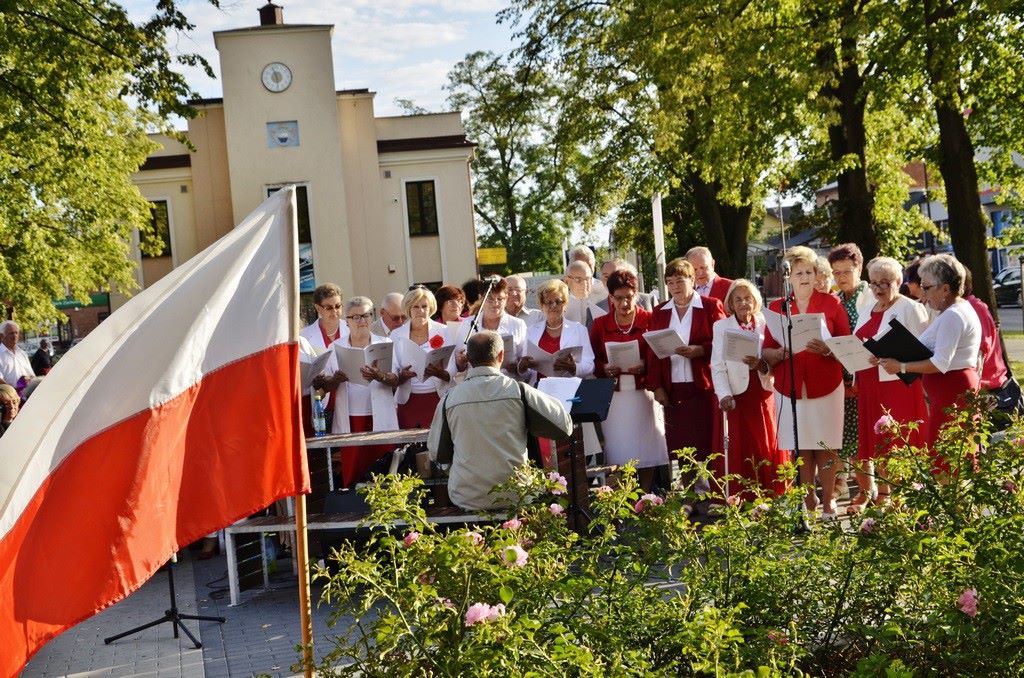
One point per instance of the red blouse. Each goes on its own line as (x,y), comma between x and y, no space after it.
(605,330)
(659,370)
(820,375)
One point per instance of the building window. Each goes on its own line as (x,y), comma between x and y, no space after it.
(421,205)
(161,225)
(307,277)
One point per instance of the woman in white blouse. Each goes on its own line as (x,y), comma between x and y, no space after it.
(954,337)
(359,408)
(742,393)
(418,398)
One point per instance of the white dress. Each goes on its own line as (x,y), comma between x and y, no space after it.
(635,427)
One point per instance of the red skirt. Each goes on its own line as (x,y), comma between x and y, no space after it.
(418,411)
(690,419)
(946,391)
(355,461)
(876,398)
(753,453)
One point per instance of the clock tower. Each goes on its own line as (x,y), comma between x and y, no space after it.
(281,127)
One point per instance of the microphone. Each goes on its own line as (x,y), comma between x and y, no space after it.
(785,267)
(492,279)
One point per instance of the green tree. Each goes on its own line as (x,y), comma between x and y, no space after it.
(80,85)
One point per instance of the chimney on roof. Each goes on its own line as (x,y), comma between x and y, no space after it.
(271,15)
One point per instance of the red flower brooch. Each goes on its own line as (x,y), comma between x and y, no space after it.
(436,341)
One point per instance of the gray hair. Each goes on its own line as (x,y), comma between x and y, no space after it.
(484,348)
(698,251)
(583,253)
(578,266)
(391,300)
(5,325)
(515,279)
(357,301)
(886,265)
(944,269)
(621,265)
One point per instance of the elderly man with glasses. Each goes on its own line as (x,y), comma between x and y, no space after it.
(516,304)
(391,315)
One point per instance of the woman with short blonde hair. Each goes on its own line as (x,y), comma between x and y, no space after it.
(416,397)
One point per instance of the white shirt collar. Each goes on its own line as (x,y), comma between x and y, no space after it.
(695,302)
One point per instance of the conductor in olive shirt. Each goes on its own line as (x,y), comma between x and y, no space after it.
(488,417)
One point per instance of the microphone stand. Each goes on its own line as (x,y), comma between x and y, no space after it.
(474,325)
(787,294)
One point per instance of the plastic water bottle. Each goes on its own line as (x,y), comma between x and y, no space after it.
(319,419)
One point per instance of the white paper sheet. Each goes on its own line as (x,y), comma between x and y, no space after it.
(623,354)
(740,345)
(455,331)
(806,326)
(664,342)
(350,360)
(418,359)
(850,351)
(310,370)
(510,351)
(546,361)
(562,389)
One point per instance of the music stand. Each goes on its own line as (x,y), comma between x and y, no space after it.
(590,404)
(171,616)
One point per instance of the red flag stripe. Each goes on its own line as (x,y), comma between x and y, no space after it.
(99,525)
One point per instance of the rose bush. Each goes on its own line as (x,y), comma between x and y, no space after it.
(933,583)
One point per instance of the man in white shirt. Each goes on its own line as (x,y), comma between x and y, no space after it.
(515,306)
(391,315)
(706,281)
(14,363)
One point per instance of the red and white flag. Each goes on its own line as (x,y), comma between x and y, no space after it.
(178,415)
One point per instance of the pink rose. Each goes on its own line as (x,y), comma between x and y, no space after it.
(734,500)
(968,602)
(646,501)
(475,538)
(556,510)
(917,486)
(436,341)
(447,603)
(779,637)
(411,538)
(867,526)
(477,613)
(512,524)
(603,491)
(884,423)
(560,483)
(496,611)
(514,556)
(425,578)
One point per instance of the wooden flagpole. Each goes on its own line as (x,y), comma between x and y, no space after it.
(301,545)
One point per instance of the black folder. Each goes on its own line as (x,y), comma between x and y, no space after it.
(899,344)
(593,398)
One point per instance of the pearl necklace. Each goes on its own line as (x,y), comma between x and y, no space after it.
(556,327)
(626,331)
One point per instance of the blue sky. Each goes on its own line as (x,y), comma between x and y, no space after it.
(396,48)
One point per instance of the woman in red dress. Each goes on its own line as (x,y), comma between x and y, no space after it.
(748,404)
(635,427)
(682,382)
(880,393)
(818,382)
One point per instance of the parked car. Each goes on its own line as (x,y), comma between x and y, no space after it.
(1006,285)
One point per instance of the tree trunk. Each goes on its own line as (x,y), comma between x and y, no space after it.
(725,228)
(849,137)
(967,224)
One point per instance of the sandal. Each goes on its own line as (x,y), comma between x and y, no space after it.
(859,503)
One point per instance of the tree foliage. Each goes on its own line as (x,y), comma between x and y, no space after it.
(80,84)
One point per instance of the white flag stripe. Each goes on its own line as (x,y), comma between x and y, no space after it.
(92,387)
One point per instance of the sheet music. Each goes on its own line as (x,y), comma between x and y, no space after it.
(351,360)
(510,351)
(806,326)
(850,351)
(546,361)
(418,359)
(454,333)
(311,369)
(664,342)
(562,389)
(740,345)
(623,354)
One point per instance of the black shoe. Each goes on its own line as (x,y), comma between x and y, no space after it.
(802,527)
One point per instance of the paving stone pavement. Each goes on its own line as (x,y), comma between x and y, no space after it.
(259,638)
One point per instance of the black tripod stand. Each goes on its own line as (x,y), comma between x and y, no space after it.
(171,616)
(593,398)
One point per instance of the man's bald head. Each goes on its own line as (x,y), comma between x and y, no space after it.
(485,349)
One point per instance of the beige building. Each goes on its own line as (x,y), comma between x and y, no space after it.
(384,202)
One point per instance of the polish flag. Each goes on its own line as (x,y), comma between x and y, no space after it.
(175,417)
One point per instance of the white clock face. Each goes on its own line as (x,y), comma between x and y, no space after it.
(276,77)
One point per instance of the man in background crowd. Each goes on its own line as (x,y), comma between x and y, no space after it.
(515,306)
(706,281)
(391,315)
(15,365)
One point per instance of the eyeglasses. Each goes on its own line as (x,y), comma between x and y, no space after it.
(577,278)
(881,284)
(553,303)
(360,316)
(497,301)
(327,307)
(624,300)
(925,288)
